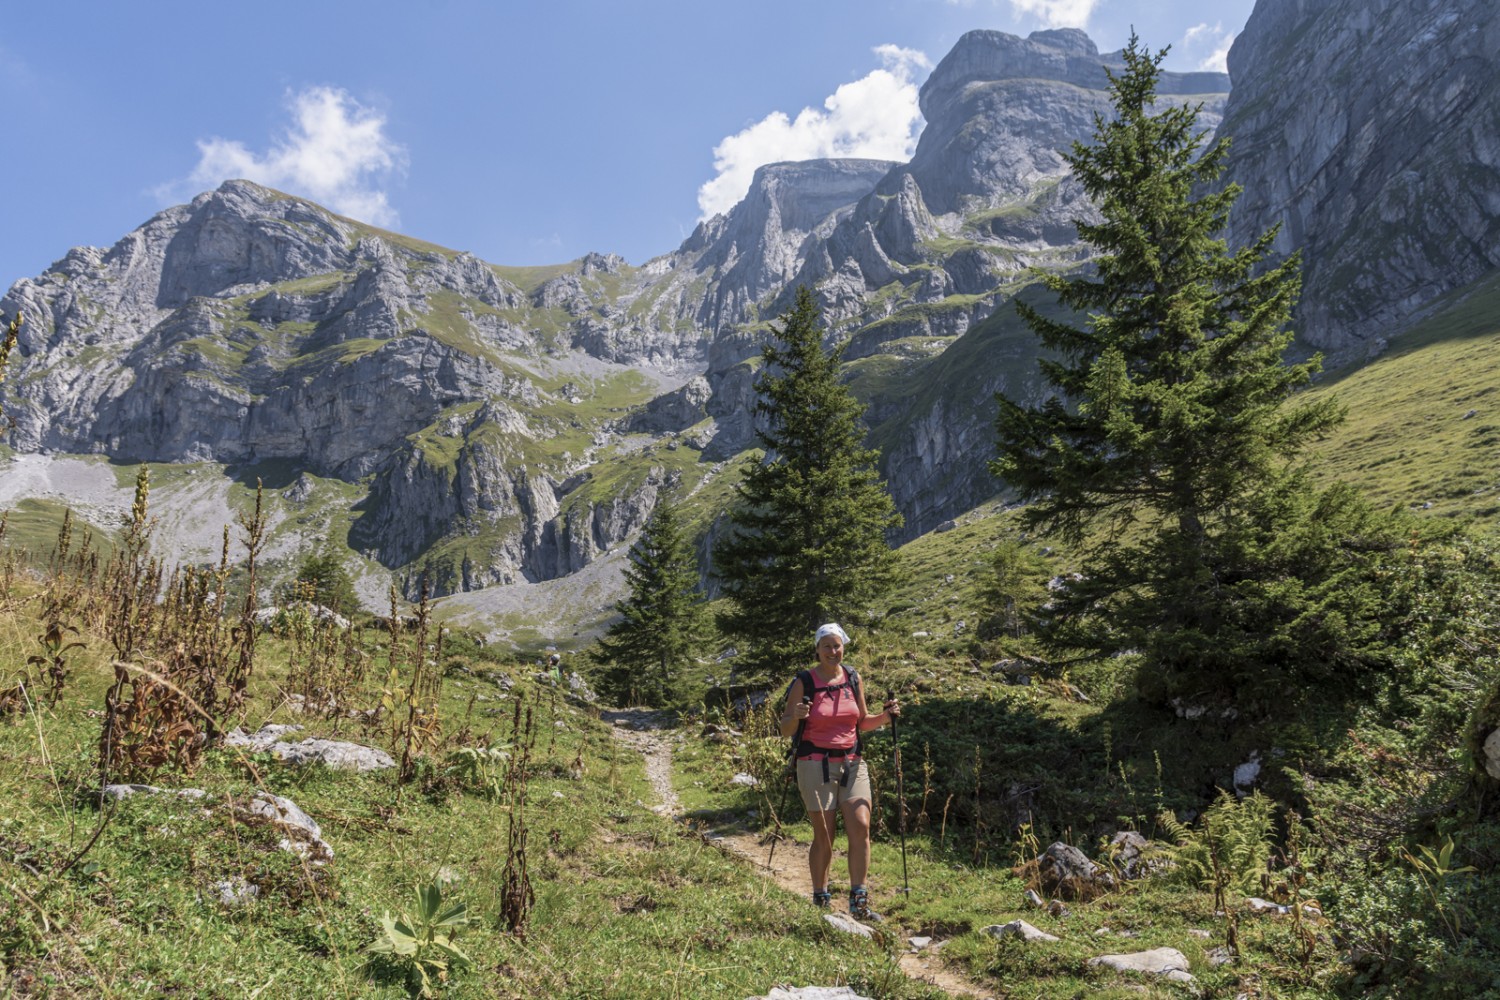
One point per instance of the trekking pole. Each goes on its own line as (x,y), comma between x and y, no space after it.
(900,799)
(786,787)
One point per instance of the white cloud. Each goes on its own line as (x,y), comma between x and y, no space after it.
(336,152)
(1057,13)
(874,117)
(1210,45)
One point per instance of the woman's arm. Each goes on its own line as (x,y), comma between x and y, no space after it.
(868,722)
(796,709)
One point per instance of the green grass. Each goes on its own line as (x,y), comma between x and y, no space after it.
(627,904)
(32,525)
(1409,439)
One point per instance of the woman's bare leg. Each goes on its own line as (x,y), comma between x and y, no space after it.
(820,852)
(857,830)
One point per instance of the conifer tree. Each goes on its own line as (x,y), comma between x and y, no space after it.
(1170,440)
(322,579)
(660,620)
(807,534)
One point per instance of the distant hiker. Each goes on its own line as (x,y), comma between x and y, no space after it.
(554,668)
(826,713)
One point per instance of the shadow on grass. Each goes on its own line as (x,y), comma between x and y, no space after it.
(981,774)
(272,473)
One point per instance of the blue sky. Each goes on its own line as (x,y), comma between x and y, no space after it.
(526,133)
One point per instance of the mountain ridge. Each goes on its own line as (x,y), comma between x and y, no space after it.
(499,425)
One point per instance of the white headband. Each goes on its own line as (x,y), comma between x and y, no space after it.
(831,629)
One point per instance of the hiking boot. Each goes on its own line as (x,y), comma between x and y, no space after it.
(859,905)
(822,899)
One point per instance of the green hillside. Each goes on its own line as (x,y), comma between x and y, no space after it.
(1423,427)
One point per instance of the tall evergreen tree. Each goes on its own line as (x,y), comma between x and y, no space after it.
(660,620)
(1170,440)
(807,540)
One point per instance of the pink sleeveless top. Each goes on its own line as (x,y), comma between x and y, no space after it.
(834,718)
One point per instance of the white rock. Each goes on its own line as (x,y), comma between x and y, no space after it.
(337,754)
(847,924)
(118,792)
(1492,755)
(1156,962)
(236,891)
(1257,905)
(747,780)
(811,993)
(1246,773)
(303,835)
(1020,929)
(918,943)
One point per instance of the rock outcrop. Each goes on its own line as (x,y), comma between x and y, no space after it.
(494,425)
(1369,131)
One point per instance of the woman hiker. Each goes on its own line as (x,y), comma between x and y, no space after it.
(826,713)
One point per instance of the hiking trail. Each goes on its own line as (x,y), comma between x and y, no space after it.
(646,732)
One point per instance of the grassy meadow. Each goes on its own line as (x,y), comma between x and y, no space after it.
(547,871)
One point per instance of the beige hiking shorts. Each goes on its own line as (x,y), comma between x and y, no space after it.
(825,796)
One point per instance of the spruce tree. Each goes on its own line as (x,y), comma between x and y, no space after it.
(807,534)
(661,619)
(323,580)
(1169,443)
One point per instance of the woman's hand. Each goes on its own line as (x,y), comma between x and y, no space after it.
(893,707)
(801,710)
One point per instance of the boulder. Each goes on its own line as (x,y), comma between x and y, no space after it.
(301,834)
(1067,872)
(1129,852)
(337,754)
(847,924)
(1167,962)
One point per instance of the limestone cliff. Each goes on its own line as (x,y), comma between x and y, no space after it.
(1369,130)
(485,425)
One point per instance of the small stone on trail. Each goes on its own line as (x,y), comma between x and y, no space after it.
(918,943)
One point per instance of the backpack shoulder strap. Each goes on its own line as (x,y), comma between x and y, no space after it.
(859,737)
(805,676)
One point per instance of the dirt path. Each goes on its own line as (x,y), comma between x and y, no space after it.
(644,732)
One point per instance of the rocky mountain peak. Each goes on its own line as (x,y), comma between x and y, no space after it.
(988,140)
(243,233)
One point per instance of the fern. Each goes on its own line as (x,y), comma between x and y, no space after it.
(1241,843)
